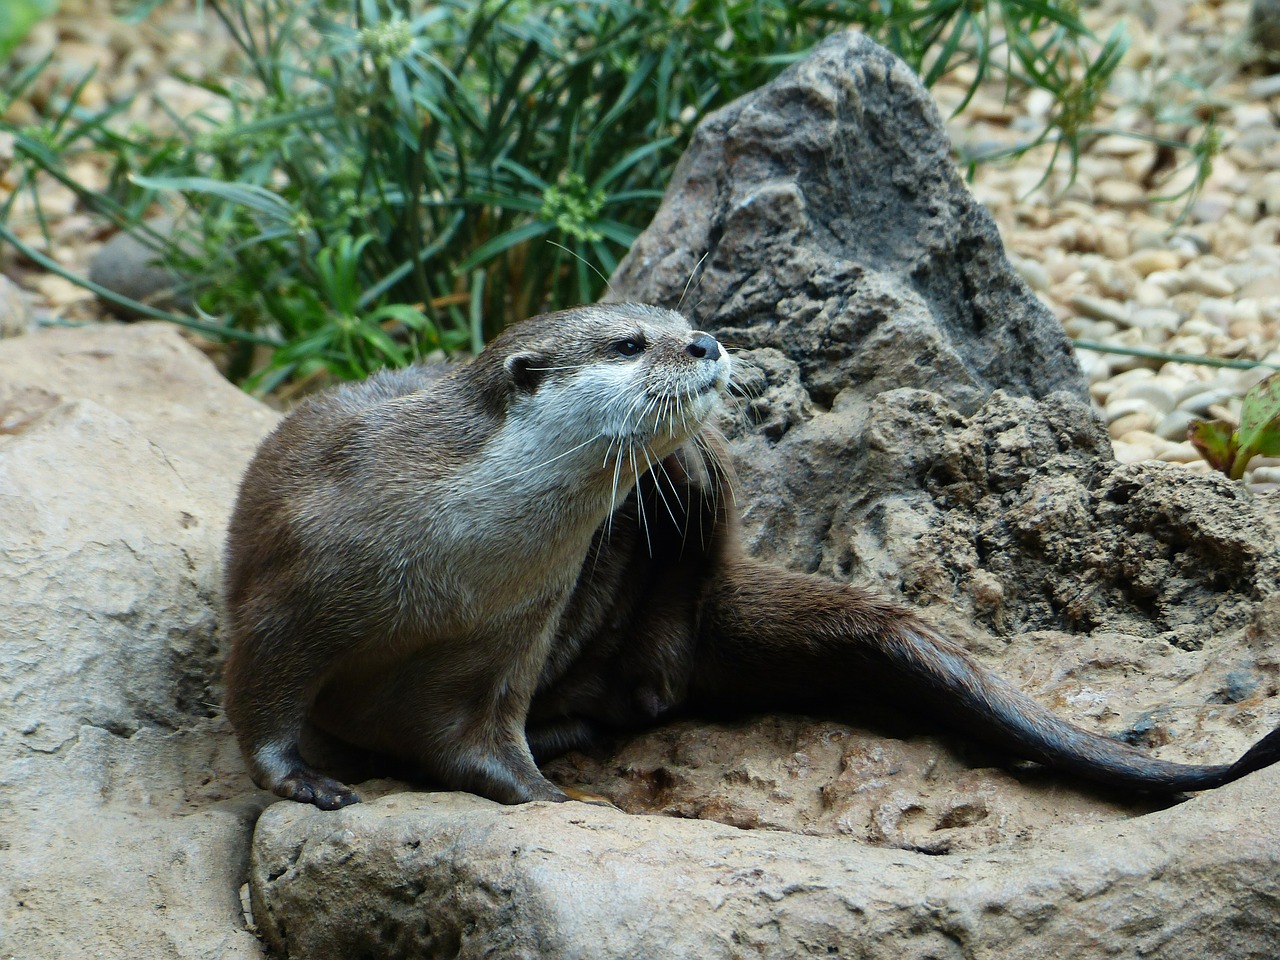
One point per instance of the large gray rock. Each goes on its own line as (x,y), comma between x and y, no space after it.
(836,231)
(844,259)
(126,814)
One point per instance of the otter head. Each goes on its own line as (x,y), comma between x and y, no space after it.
(627,379)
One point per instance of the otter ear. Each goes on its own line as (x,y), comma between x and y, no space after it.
(526,370)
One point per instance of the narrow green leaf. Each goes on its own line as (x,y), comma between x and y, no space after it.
(631,159)
(244,194)
(504,241)
(378,339)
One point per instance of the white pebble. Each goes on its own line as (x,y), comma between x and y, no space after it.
(1197,327)
(1100,309)
(1154,318)
(1174,425)
(1131,422)
(1149,295)
(1201,402)
(1170,281)
(1147,262)
(1035,275)
(1262,89)
(1158,394)
(1131,452)
(1184,452)
(1118,407)
(1213,284)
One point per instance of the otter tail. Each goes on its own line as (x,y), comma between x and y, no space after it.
(769,638)
(998,712)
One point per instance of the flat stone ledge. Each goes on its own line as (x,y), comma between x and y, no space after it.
(427,875)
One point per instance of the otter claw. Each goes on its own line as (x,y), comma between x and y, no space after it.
(582,796)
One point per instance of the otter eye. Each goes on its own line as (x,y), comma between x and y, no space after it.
(627,348)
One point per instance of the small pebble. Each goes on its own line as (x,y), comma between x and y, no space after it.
(1130,452)
(1113,280)
(1100,309)
(1117,408)
(1174,425)
(1154,318)
(1170,281)
(1158,394)
(1129,423)
(1121,193)
(1196,327)
(1200,403)
(1184,452)
(1147,262)
(1212,284)
(1033,273)
(1266,475)
(1265,87)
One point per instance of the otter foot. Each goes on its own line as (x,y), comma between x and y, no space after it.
(307,786)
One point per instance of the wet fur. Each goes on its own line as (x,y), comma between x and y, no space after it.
(604,625)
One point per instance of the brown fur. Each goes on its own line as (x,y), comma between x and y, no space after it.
(638,608)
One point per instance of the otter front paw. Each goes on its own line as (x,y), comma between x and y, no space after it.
(306,786)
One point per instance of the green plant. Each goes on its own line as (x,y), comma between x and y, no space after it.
(382,183)
(19,17)
(1230,450)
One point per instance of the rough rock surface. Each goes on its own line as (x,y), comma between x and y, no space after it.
(836,230)
(455,876)
(126,818)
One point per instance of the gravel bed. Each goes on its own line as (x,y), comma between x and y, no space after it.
(1120,269)
(1116,267)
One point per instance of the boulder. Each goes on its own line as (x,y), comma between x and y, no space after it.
(449,875)
(127,815)
(822,217)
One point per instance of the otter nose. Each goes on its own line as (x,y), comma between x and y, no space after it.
(704,347)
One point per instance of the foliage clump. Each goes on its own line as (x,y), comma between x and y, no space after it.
(387,180)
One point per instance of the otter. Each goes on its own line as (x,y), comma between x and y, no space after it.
(472,570)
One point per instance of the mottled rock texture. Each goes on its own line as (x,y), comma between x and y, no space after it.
(836,231)
(454,876)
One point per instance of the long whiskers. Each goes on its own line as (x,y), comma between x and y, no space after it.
(583,260)
(692,273)
(644,519)
(537,466)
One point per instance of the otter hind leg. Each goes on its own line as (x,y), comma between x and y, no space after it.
(457,720)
